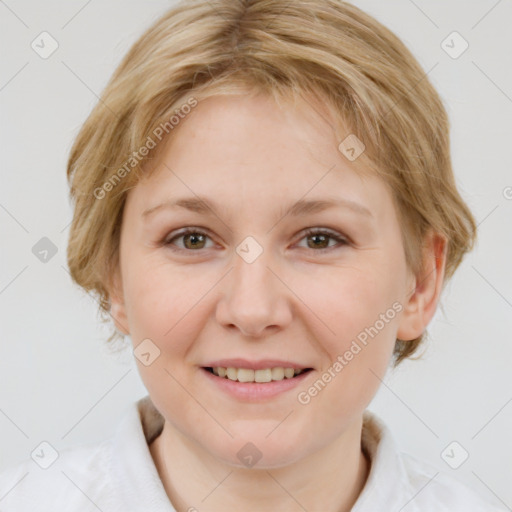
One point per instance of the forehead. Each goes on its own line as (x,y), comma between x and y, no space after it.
(247,149)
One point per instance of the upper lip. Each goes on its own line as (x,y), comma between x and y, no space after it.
(254,365)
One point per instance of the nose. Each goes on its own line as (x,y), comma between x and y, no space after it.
(255,300)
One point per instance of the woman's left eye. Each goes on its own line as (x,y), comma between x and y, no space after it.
(321,236)
(196,239)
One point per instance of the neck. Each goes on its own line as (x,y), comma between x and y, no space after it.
(329,480)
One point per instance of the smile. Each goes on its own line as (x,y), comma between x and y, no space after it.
(241,383)
(262,375)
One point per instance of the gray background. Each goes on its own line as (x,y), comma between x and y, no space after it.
(60,384)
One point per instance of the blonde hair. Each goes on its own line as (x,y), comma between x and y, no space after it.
(329,50)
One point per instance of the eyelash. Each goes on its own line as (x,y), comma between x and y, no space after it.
(309,232)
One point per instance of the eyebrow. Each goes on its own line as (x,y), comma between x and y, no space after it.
(204,205)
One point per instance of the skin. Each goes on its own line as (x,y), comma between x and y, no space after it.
(294,302)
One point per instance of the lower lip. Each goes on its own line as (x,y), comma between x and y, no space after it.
(255,390)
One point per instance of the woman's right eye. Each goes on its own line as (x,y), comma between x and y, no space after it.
(193,239)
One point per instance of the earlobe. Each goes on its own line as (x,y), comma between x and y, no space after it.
(422,300)
(117,306)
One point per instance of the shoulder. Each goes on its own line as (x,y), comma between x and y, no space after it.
(72,481)
(441,491)
(116,474)
(398,480)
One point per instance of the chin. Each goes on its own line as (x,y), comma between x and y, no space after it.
(260,453)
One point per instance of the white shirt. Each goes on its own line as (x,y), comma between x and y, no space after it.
(119,475)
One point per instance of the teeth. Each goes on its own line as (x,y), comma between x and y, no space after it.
(232,373)
(263,375)
(288,373)
(277,373)
(247,375)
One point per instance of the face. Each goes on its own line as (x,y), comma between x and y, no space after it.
(259,286)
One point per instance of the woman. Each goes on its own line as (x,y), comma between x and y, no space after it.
(265,204)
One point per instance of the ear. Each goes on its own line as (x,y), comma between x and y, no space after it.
(424,296)
(117,305)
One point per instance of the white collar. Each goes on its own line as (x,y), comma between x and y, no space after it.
(388,483)
(141,488)
(138,488)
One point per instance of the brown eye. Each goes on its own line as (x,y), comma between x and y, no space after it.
(193,239)
(320,239)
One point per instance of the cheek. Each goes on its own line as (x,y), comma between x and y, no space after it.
(350,300)
(154,298)
(361,308)
(166,304)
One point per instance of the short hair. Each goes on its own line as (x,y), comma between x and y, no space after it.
(328,50)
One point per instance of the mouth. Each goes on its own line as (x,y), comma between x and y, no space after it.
(263,375)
